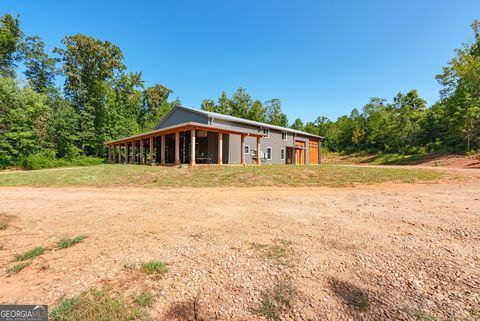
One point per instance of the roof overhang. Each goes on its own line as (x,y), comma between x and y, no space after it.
(179,128)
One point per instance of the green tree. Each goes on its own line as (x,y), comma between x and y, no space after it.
(40,69)
(274,115)
(208,105)
(298,124)
(155,105)
(89,65)
(240,103)
(10,39)
(223,105)
(257,112)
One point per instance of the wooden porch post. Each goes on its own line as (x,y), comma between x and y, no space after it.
(319,152)
(192,147)
(119,154)
(126,153)
(134,152)
(177,148)
(162,151)
(151,150)
(259,152)
(242,149)
(220,148)
(142,152)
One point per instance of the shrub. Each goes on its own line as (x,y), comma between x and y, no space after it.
(47,159)
(154,267)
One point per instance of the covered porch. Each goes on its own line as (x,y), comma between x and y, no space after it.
(175,145)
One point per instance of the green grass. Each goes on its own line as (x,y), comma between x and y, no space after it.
(144,299)
(211,176)
(3,226)
(278,253)
(18,267)
(154,267)
(64,243)
(30,254)
(97,305)
(274,301)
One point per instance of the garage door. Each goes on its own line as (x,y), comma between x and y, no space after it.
(313,152)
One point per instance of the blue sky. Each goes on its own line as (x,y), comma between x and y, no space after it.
(318,57)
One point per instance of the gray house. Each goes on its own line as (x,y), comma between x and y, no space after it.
(215,139)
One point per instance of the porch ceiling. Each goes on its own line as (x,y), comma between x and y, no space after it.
(180,127)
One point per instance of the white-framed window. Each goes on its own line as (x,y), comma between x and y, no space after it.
(266,132)
(269,153)
(284,135)
(246,149)
(282,153)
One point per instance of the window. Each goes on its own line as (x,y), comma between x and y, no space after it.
(282,154)
(284,135)
(269,153)
(266,132)
(246,149)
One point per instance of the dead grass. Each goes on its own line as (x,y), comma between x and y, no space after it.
(210,176)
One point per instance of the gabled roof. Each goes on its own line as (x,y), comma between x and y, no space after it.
(239,120)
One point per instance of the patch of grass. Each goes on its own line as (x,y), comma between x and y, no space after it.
(425,316)
(18,267)
(39,250)
(212,176)
(362,302)
(275,301)
(257,246)
(144,299)
(64,243)
(3,226)
(278,253)
(154,267)
(97,305)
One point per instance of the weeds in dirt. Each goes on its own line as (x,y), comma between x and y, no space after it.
(18,267)
(144,299)
(278,253)
(39,250)
(425,316)
(3,226)
(362,302)
(257,246)
(95,304)
(64,243)
(275,301)
(154,267)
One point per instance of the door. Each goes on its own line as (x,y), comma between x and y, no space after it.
(313,152)
(300,153)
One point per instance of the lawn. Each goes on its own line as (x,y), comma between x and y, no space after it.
(210,176)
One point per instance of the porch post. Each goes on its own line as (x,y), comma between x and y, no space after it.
(319,151)
(142,152)
(126,153)
(177,148)
(192,147)
(109,154)
(242,149)
(119,154)
(151,150)
(259,152)
(162,150)
(134,152)
(220,148)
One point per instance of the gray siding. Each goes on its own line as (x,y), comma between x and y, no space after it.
(180,116)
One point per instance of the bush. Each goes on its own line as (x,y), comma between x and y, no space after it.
(47,159)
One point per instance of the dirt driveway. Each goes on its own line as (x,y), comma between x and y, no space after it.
(388,252)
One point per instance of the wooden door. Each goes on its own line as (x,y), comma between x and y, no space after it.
(313,152)
(300,153)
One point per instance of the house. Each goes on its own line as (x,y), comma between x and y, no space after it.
(215,139)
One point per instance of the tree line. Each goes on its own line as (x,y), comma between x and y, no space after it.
(100,100)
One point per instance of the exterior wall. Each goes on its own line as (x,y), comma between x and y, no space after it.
(182,116)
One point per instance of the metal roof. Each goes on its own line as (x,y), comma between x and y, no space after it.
(244,121)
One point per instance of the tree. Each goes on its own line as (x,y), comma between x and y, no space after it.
(240,103)
(88,66)
(274,113)
(257,112)
(40,68)
(208,105)
(297,124)
(223,105)
(155,105)
(10,38)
